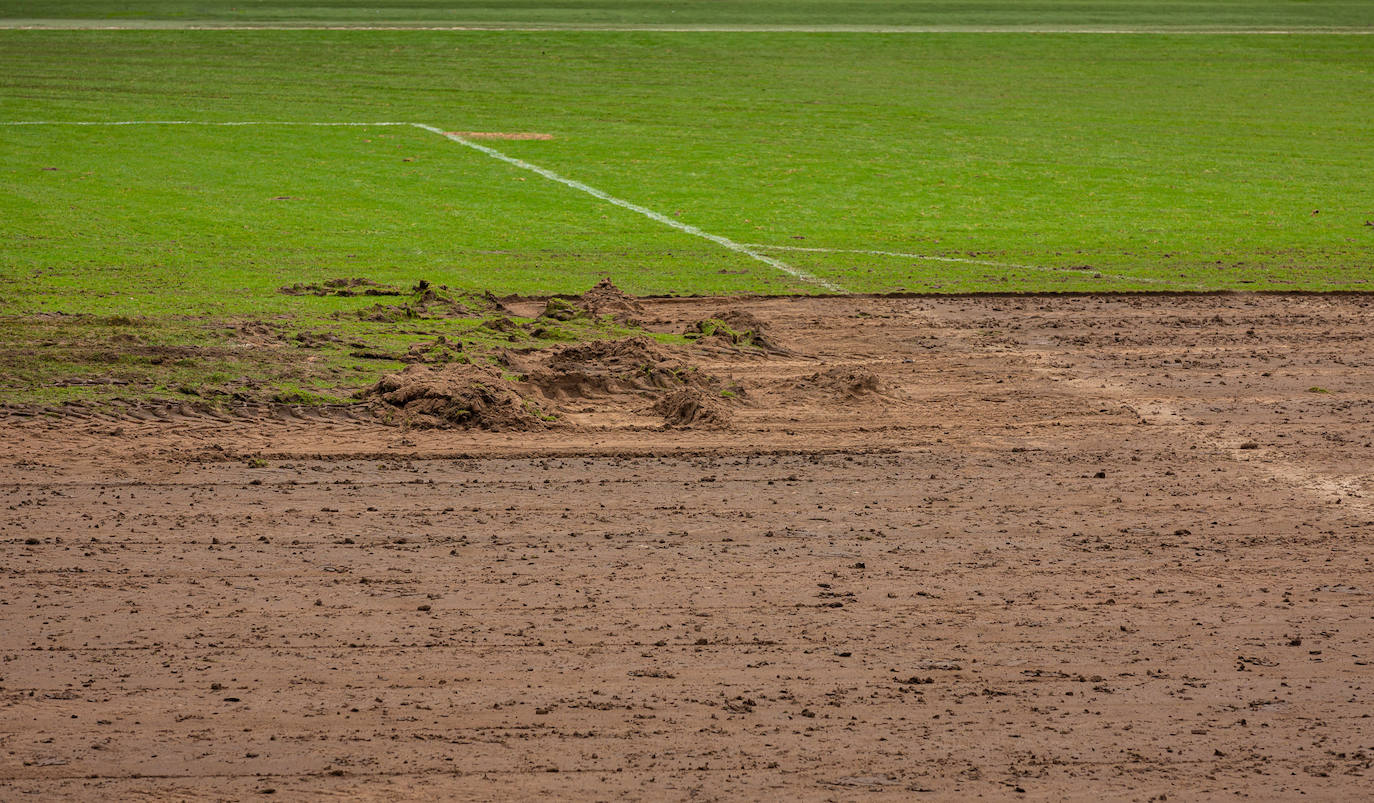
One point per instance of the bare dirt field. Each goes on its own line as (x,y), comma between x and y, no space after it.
(1050,548)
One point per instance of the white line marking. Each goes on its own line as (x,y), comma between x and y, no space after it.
(724,242)
(966,261)
(188,122)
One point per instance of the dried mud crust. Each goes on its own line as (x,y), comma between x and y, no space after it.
(1095,548)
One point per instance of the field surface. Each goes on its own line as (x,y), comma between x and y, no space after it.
(1071,548)
(863,162)
(1244,15)
(980,422)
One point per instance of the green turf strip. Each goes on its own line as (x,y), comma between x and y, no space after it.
(1098,162)
(1245,14)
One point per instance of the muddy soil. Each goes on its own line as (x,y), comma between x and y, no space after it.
(1005,547)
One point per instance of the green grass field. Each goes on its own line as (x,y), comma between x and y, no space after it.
(1019,14)
(931,162)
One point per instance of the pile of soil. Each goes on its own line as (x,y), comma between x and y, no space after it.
(847,383)
(457,394)
(691,407)
(603,299)
(734,328)
(605,367)
(626,373)
(607,299)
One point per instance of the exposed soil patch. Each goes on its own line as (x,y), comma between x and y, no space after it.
(1117,551)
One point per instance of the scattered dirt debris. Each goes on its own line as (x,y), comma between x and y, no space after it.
(341,287)
(634,373)
(430,301)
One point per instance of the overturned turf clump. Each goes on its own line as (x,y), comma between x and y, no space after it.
(734,328)
(690,407)
(460,395)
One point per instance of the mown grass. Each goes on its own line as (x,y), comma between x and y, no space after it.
(1044,162)
(1191,161)
(978,13)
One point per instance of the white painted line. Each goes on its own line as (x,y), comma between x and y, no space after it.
(967,261)
(725,242)
(189,122)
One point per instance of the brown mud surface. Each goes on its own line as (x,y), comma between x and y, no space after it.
(1015,548)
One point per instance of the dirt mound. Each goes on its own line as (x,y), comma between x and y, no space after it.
(601,367)
(845,382)
(603,299)
(690,407)
(610,354)
(607,299)
(456,395)
(734,328)
(624,373)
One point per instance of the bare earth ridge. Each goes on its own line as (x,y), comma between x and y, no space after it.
(1050,548)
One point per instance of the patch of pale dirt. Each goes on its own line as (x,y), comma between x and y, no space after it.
(1082,547)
